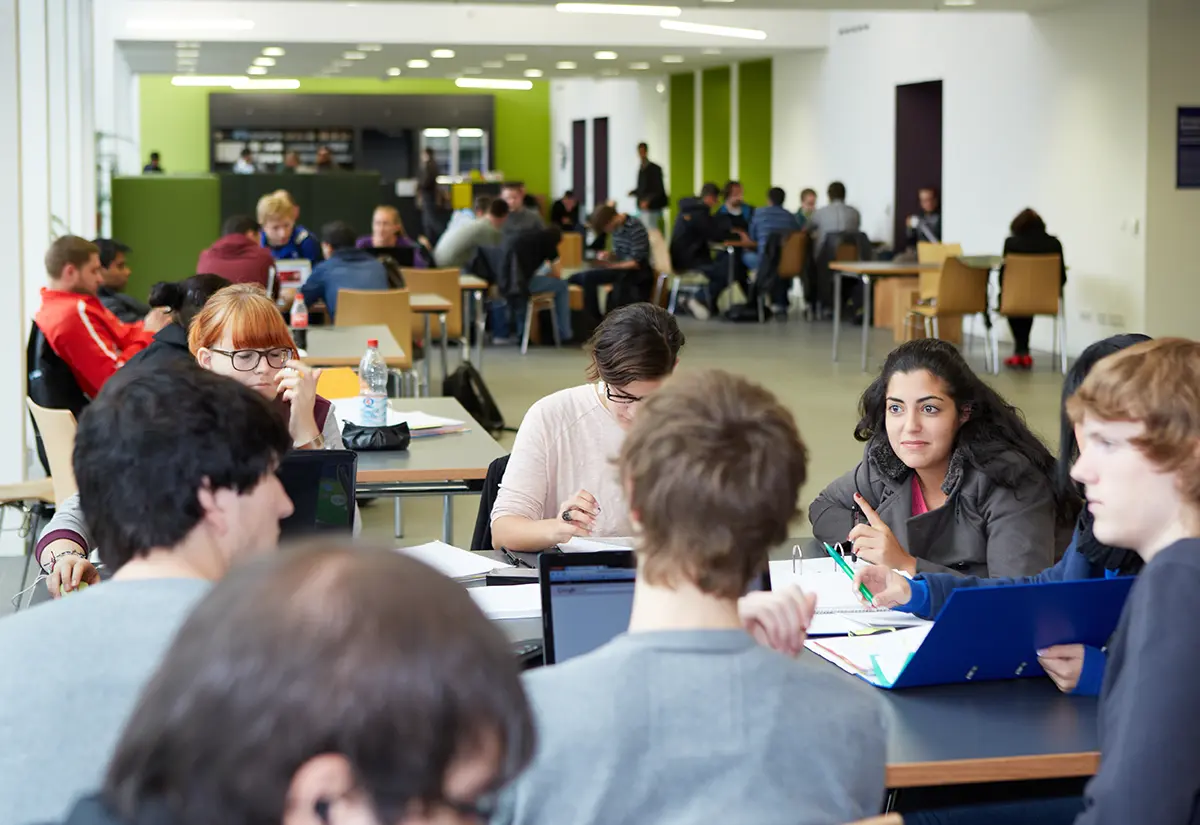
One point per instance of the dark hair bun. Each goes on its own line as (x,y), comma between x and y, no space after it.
(165,294)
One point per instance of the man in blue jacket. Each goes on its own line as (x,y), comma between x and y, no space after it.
(345,267)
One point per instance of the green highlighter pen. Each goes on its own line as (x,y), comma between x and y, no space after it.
(845,568)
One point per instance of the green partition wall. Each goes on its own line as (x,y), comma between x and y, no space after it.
(683,145)
(167,220)
(754,130)
(715,135)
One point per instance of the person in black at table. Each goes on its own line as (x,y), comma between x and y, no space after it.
(1029,237)
(565,213)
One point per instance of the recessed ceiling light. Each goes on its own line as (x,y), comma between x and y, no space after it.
(371,47)
(264,61)
(639,67)
(958,2)
(493,64)
(394,71)
(609,72)
(481,83)
(565,65)
(188,53)
(617,8)
(716,1)
(533,72)
(354,56)
(672,58)
(273,51)
(343,64)
(224,24)
(469,133)
(419,63)
(515,58)
(711,51)
(719,31)
(472,70)
(660,87)
(256,70)
(186,45)
(442,54)
(605,55)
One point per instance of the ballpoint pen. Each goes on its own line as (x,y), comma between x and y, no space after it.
(845,568)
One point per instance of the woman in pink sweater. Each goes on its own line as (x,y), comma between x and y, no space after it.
(561,480)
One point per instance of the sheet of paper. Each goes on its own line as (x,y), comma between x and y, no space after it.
(834,589)
(453,561)
(880,659)
(350,409)
(582,545)
(513,601)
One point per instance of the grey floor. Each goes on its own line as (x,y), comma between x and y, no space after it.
(791,359)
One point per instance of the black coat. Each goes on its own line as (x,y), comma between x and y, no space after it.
(170,345)
(695,228)
(650,186)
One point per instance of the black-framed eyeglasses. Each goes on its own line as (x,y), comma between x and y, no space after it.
(620,397)
(247,360)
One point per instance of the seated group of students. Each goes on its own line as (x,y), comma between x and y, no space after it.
(338,685)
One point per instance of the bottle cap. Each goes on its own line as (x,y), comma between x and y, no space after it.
(373,342)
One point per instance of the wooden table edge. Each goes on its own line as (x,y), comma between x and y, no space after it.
(908,270)
(992,769)
(412,476)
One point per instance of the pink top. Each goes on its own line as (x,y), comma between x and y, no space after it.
(919,507)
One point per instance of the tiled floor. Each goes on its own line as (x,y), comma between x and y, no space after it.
(792,359)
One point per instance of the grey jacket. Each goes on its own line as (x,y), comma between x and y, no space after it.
(983,529)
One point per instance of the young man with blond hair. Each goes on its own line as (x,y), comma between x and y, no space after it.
(282,235)
(686,718)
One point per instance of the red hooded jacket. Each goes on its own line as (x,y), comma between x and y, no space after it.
(88,337)
(238,259)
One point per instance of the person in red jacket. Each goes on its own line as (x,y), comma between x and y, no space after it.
(80,330)
(237,255)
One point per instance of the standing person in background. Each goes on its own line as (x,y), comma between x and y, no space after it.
(926,227)
(154,167)
(1029,237)
(344,267)
(834,218)
(282,236)
(427,189)
(651,192)
(115,272)
(244,165)
(387,232)
(808,205)
(565,213)
(237,254)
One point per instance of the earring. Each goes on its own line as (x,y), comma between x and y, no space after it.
(321,809)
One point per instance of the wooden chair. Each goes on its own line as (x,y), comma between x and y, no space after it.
(570,250)
(442,282)
(538,302)
(389,307)
(935,253)
(1033,286)
(793,256)
(58,435)
(882,819)
(337,382)
(660,261)
(956,290)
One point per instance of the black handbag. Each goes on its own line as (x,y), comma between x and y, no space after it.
(360,439)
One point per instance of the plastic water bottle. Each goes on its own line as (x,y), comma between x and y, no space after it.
(372,386)
(298,321)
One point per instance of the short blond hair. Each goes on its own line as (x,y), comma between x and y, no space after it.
(276,206)
(1157,384)
(714,464)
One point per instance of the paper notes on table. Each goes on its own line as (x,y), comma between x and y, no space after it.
(581,545)
(458,564)
(420,424)
(514,601)
(838,609)
(879,659)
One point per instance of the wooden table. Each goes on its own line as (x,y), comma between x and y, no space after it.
(428,304)
(478,288)
(446,465)
(866,272)
(344,346)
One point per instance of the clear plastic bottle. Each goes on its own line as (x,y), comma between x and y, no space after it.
(372,386)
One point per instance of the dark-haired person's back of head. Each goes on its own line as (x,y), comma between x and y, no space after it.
(241,225)
(337,235)
(329,684)
(237,255)
(344,267)
(837,191)
(776,196)
(714,464)
(185,299)
(176,474)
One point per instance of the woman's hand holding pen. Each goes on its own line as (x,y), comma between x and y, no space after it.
(576,517)
(888,588)
(875,543)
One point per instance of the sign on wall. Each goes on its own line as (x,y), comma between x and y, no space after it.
(1187,148)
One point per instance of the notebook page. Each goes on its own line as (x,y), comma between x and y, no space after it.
(453,561)
(513,601)
(879,659)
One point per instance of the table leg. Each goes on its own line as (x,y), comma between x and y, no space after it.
(428,344)
(866,327)
(448,519)
(445,347)
(837,311)
(398,517)
(480,326)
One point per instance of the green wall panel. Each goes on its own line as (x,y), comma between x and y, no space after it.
(175,121)
(682,161)
(167,220)
(714,119)
(754,130)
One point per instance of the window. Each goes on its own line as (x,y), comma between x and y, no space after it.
(457,151)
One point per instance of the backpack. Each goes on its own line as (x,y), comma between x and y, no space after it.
(465,385)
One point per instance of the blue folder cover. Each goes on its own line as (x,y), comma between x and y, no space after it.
(988,633)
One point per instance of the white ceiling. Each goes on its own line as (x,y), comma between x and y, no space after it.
(319,59)
(777,5)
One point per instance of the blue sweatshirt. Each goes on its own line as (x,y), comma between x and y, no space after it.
(302,244)
(931,590)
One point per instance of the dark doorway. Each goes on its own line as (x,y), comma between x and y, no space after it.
(918,150)
(578,161)
(600,159)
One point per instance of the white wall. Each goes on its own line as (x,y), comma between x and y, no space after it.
(636,112)
(1046,111)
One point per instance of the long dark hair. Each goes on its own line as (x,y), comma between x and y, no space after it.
(187,297)
(994,428)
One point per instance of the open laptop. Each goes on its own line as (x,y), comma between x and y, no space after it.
(403,255)
(320,484)
(587,599)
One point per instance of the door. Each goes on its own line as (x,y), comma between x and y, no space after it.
(918,150)
(578,161)
(600,159)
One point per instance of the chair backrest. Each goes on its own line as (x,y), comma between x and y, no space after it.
(791,258)
(57,428)
(570,250)
(391,307)
(962,290)
(847,251)
(337,382)
(1032,285)
(50,381)
(660,253)
(882,819)
(935,253)
(443,282)
(482,537)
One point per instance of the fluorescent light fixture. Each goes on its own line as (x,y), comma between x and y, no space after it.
(264,61)
(609,72)
(257,70)
(717,31)
(273,51)
(672,58)
(354,56)
(471,133)
(442,54)
(493,64)
(482,83)
(224,24)
(605,55)
(208,80)
(187,45)
(617,8)
(371,47)
(716,1)
(275,83)
(436,133)
(394,71)
(516,58)
(566,65)
(343,64)
(187,53)
(533,72)
(472,70)
(639,67)
(710,51)
(958,2)
(419,63)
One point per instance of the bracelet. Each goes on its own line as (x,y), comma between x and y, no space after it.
(55,557)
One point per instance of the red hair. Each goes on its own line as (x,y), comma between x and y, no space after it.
(246,311)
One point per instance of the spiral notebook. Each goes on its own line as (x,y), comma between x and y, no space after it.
(838,609)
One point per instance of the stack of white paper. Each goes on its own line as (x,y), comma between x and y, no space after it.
(452,561)
(838,609)
(586,545)
(513,601)
(879,659)
(350,409)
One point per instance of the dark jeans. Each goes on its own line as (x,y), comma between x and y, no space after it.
(1060,811)
(1020,331)
(591,280)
